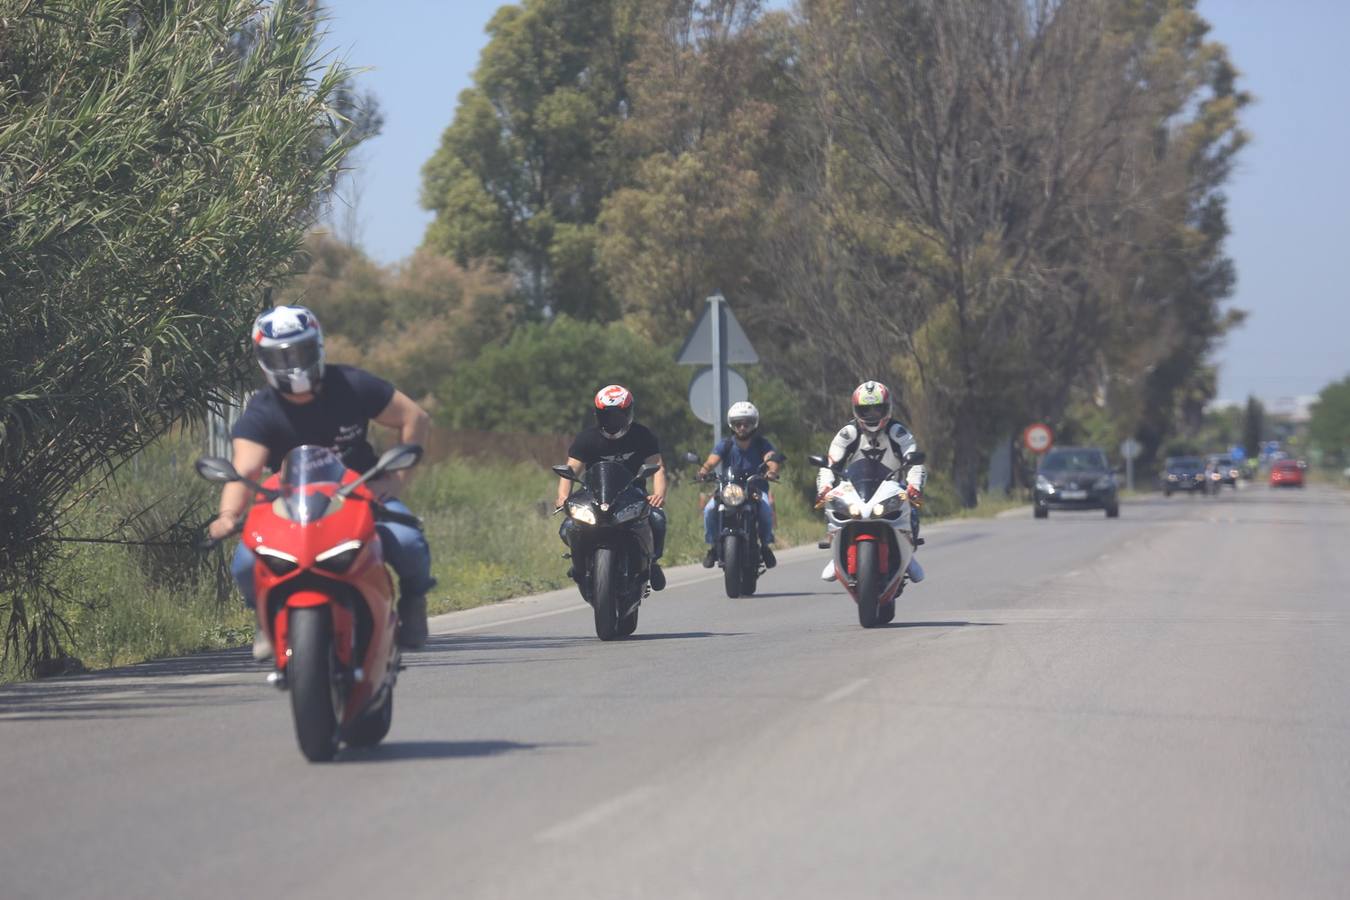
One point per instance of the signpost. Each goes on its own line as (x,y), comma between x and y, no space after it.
(1038,438)
(716,341)
(1130,449)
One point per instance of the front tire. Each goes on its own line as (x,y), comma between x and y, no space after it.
(607,588)
(1113,511)
(312,673)
(732,552)
(628,624)
(869,585)
(1041,512)
(370,729)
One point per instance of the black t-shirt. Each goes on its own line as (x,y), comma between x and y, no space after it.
(338,417)
(633,449)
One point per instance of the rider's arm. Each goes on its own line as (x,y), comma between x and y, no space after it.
(658,495)
(248,458)
(712,462)
(412,424)
(917,474)
(838,450)
(565,486)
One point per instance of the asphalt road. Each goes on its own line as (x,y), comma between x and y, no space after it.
(1155,706)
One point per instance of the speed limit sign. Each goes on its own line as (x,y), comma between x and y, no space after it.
(1038,438)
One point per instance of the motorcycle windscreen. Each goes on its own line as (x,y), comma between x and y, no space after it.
(606,480)
(866,476)
(305,467)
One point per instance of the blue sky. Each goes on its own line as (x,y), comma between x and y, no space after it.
(1289,202)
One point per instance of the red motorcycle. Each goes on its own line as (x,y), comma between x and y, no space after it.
(324,594)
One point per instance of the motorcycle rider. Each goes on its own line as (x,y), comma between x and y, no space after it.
(743,453)
(873,434)
(309,402)
(617,437)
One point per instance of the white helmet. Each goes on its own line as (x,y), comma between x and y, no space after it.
(288,344)
(743,414)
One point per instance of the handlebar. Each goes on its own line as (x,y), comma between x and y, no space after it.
(384,513)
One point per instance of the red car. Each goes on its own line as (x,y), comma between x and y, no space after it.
(1286,473)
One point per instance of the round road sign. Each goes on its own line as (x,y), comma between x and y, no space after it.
(1038,438)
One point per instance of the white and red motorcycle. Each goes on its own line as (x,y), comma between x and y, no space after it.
(867,513)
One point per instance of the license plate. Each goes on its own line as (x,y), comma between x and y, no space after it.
(1075,495)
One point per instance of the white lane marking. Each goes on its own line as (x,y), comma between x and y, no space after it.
(574,826)
(1073,573)
(851,688)
(543,615)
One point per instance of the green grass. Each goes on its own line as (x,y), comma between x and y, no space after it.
(490,527)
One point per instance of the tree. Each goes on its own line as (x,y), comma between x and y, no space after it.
(991,185)
(521,171)
(1329,427)
(1253,427)
(162,160)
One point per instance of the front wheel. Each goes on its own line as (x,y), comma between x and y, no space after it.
(1042,512)
(1113,511)
(607,587)
(370,729)
(869,584)
(628,624)
(312,673)
(732,551)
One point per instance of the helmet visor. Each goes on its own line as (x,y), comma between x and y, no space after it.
(744,422)
(872,414)
(612,420)
(285,356)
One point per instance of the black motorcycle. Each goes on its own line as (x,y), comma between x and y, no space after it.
(737,544)
(611,542)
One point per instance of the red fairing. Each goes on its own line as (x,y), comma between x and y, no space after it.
(269,528)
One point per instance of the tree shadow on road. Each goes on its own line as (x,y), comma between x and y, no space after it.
(402,751)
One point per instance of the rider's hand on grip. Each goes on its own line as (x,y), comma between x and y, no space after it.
(820,498)
(915,496)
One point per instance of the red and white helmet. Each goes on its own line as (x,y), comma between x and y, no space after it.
(614,410)
(872,405)
(288,345)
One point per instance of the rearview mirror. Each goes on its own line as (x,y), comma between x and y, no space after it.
(648,470)
(817,460)
(404,456)
(213,468)
(777,457)
(690,456)
(915,459)
(562,470)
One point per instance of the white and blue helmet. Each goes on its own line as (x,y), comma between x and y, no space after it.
(288,343)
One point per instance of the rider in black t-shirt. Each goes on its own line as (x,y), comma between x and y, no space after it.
(617,437)
(308,402)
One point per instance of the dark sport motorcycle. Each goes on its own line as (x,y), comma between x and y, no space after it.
(611,542)
(739,550)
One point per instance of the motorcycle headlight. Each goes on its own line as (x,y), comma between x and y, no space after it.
(1043,484)
(1102,484)
(1171,477)
(733,494)
(855,510)
(582,512)
(277,563)
(340,558)
(631,511)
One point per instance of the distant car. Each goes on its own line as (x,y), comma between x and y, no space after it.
(1075,478)
(1286,473)
(1184,473)
(1222,470)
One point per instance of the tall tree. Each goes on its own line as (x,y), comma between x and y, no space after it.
(1253,427)
(521,171)
(161,162)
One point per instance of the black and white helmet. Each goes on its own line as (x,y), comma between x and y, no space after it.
(288,344)
(743,419)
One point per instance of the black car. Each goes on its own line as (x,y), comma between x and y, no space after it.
(1185,473)
(1222,470)
(1075,478)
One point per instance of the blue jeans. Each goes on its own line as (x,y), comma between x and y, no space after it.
(405,549)
(765,521)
